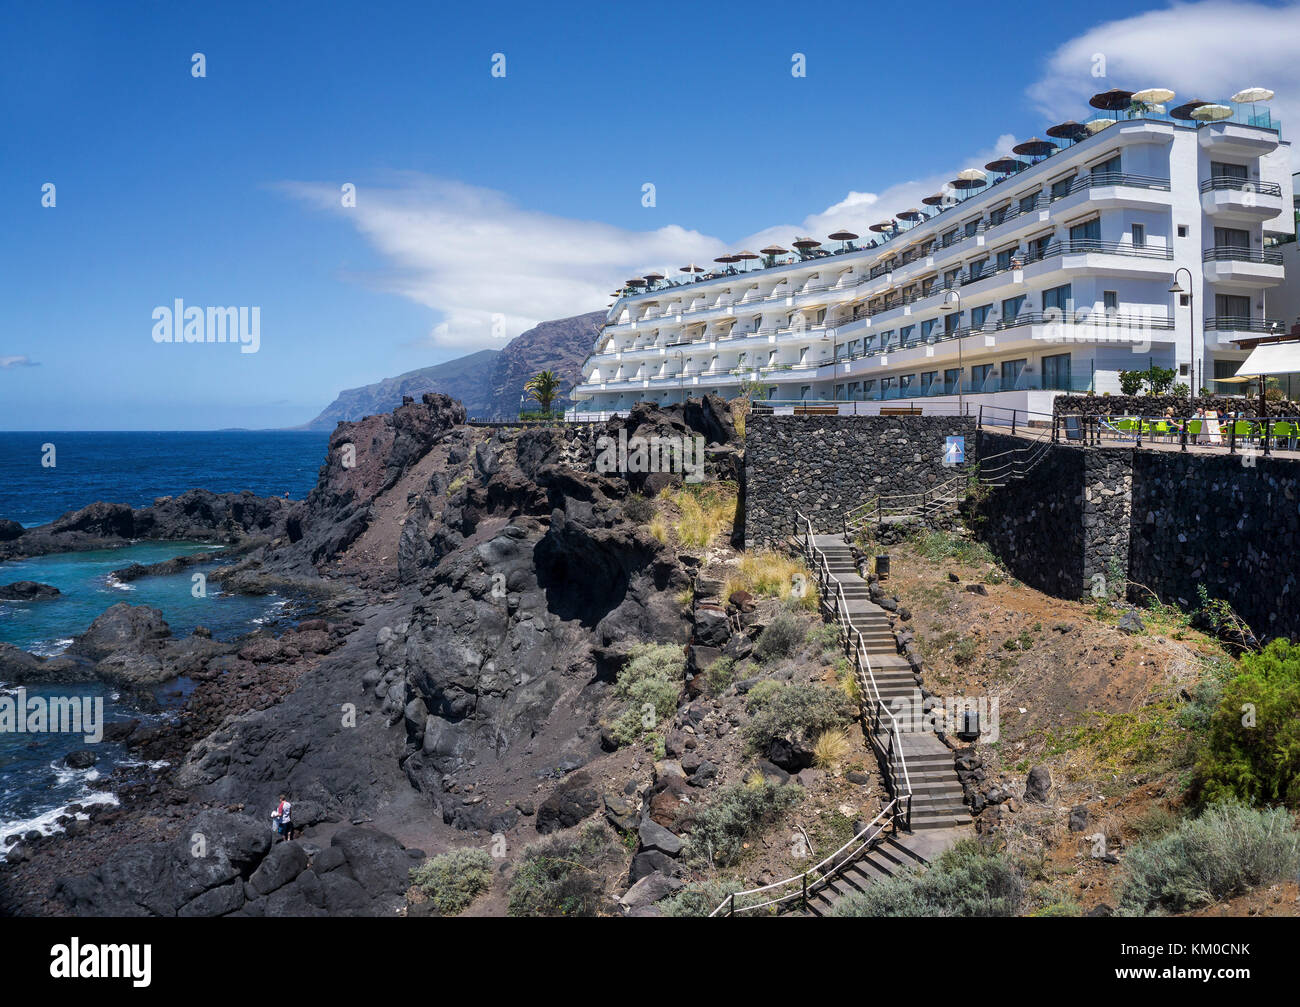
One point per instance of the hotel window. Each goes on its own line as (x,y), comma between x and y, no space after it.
(757,321)
(1107,167)
(1056,372)
(927,327)
(979,376)
(979,315)
(1004,257)
(1088,231)
(971,227)
(1235,306)
(1057,297)
(950,278)
(905,382)
(997,216)
(1027,202)
(1061,187)
(1221,169)
(803,354)
(950,322)
(1038,246)
(1011,371)
(946,240)
(1011,307)
(1139,232)
(804,390)
(927,381)
(854,347)
(839,393)
(905,334)
(951,380)
(1231,237)
(1110,300)
(886,338)
(820,317)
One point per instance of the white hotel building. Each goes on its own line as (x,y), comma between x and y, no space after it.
(1053,278)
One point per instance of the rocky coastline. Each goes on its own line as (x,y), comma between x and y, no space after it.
(474,591)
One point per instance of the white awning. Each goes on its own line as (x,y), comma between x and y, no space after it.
(1272,358)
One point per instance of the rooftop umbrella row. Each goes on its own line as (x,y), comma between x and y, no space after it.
(1115,100)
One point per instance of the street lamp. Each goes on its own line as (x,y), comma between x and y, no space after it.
(946,306)
(1191,322)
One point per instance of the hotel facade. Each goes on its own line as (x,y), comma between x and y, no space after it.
(1051,279)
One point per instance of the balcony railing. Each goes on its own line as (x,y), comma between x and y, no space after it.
(1224,183)
(1234,253)
(1240,323)
(1092,179)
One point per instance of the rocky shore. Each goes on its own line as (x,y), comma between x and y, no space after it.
(477,589)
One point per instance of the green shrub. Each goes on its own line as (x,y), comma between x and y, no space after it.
(761,692)
(699,898)
(564,876)
(720,674)
(1228,850)
(735,815)
(453,880)
(797,712)
(964,881)
(782,637)
(1257,761)
(651,682)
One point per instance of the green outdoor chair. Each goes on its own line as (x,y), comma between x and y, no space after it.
(1244,430)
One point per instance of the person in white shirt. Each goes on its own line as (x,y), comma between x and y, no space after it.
(282,816)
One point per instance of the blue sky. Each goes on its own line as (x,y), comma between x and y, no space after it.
(515,198)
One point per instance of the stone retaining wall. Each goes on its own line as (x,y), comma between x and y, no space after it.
(825,465)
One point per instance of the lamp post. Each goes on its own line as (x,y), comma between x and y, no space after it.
(1191,323)
(951,301)
(681,372)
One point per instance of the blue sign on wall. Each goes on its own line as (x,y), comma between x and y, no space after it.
(954,452)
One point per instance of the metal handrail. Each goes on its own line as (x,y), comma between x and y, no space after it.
(863,663)
(729,903)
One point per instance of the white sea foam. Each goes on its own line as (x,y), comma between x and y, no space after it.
(117,585)
(50,648)
(47,824)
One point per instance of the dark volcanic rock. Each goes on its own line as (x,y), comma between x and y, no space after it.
(27,590)
(121,626)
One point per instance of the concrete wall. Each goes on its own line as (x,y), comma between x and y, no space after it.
(825,465)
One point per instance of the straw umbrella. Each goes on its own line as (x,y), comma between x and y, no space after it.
(1095,126)
(746,256)
(692,268)
(1112,101)
(1034,147)
(1005,166)
(841,237)
(806,245)
(772,251)
(1068,130)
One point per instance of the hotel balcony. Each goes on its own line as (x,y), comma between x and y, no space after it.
(1241,198)
(1223,332)
(1245,139)
(1233,264)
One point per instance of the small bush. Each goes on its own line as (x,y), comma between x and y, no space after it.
(736,814)
(783,636)
(964,881)
(651,682)
(798,712)
(564,876)
(964,652)
(637,508)
(830,748)
(453,880)
(761,692)
(1255,760)
(699,898)
(720,674)
(1228,850)
(658,527)
(942,545)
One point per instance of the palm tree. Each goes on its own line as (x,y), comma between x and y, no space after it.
(544,386)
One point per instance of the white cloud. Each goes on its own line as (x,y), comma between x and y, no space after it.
(1208,50)
(6,363)
(483,263)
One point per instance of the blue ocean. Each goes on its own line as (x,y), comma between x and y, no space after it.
(130,468)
